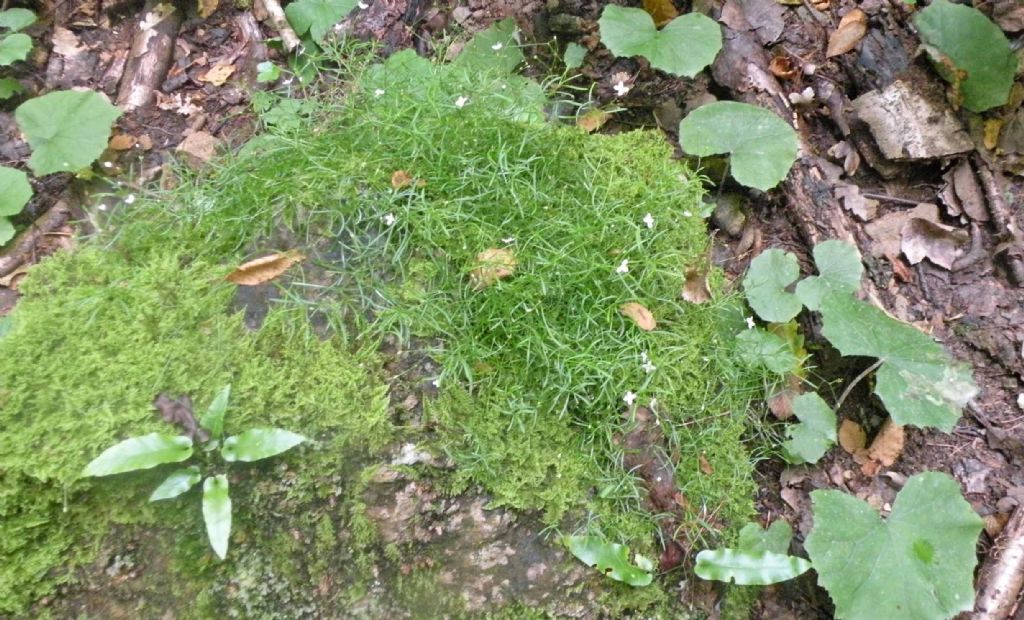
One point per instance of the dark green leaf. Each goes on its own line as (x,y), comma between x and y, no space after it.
(259,443)
(213,419)
(140,453)
(9,87)
(177,483)
(917,564)
(815,434)
(611,559)
(839,272)
(766,282)
(748,568)
(684,46)
(217,513)
(317,16)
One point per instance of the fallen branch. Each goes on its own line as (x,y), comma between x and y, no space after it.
(151,55)
(1002,574)
(280,23)
(23,249)
(1002,219)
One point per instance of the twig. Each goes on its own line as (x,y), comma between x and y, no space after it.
(22,249)
(151,55)
(1002,574)
(1001,216)
(858,379)
(886,197)
(278,20)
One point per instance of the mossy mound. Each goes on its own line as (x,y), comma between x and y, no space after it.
(534,366)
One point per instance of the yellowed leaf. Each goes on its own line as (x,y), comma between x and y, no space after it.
(218,74)
(852,437)
(640,315)
(661,11)
(705,466)
(991,133)
(492,264)
(264,269)
(695,287)
(121,142)
(852,28)
(207,7)
(592,120)
(401,178)
(888,444)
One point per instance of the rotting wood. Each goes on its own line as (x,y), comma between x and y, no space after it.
(1002,219)
(280,23)
(255,48)
(151,54)
(1002,574)
(23,249)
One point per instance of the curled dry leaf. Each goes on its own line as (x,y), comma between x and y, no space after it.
(852,437)
(640,315)
(592,120)
(852,28)
(783,67)
(695,287)
(121,142)
(491,265)
(264,269)
(941,244)
(401,178)
(218,74)
(888,444)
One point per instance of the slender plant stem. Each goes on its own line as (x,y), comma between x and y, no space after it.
(853,384)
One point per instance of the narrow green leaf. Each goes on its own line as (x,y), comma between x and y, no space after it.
(494,49)
(612,559)
(762,349)
(919,563)
(16,19)
(15,190)
(217,513)
(574,55)
(775,539)
(317,16)
(213,419)
(684,46)
(839,272)
(259,443)
(178,482)
(770,273)
(762,145)
(815,434)
(140,453)
(748,568)
(14,47)
(67,129)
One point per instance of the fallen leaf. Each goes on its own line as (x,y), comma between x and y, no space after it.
(968,192)
(145,142)
(888,444)
(705,466)
(199,148)
(207,7)
(781,403)
(401,178)
(264,269)
(218,74)
(661,11)
(941,244)
(492,264)
(592,120)
(121,142)
(991,133)
(179,411)
(821,5)
(850,156)
(640,315)
(783,67)
(885,231)
(65,43)
(852,437)
(695,287)
(852,28)
(864,208)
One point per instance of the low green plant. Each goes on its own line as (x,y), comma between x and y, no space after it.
(14,45)
(15,192)
(147,451)
(611,559)
(684,46)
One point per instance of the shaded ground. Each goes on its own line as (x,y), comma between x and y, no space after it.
(975,307)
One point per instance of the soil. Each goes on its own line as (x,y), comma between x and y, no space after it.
(975,308)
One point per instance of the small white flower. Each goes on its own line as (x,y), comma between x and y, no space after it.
(803,97)
(497,46)
(508,240)
(461,101)
(750,322)
(649,220)
(629,398)
(390,219)
(363,5)
(378,93)
(687,214)
(436,382)
(621,88)
(106,164)
(129,199)
(288,82)
(653,406)
(645,363)
(623,266)
(101,207)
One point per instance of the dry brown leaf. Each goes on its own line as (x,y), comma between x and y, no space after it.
(783,67)
(852,437)
(781,403)
(264,269)
(492,264)
(218,74)
(640,315)
(121,142)
(941,244)
(888,444)
(821,5)
(661,11)
(695,287)
(705,466)
(145,142)
(592,120)
(401,178)
(852,28)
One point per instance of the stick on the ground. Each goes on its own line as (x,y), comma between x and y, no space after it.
(1002,574)
(151,55)
(22,250)
(1002,219)
(280,23)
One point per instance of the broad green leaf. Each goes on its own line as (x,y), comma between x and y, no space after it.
(9,87)
(494,49)
(919,563)
(612,559)
(770,273)
(969,51)
(839,272)
(574,55)
(919,383)
(267,72)
(684,46)
(178,482)
(6,230)
(762,145)
(403,71)
(217,513)
(317,16)
(748,568)
(67,130)
(259,443)
(213,419)
(15,191)
(16,19)
(763,349)
(140,453)
(774,539)
(14,47)
(815,434)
